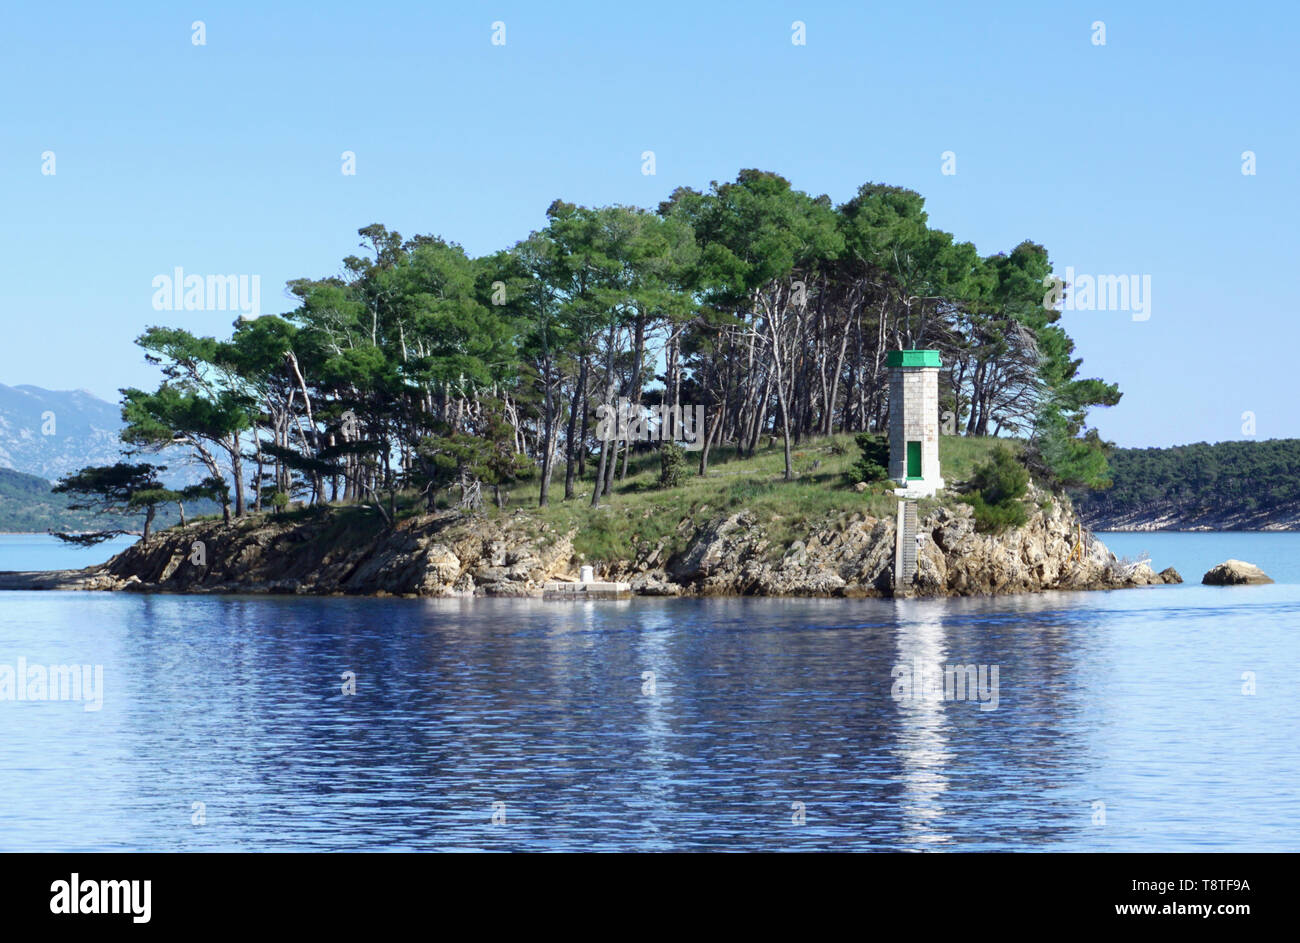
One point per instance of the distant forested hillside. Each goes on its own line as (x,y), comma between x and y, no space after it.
(1228,486)
(29,506)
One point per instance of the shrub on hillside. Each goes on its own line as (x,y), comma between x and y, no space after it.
(997,487)
(995,518)
(873,465)
(672,465)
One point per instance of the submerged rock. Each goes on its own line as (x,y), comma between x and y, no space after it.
(1235,573)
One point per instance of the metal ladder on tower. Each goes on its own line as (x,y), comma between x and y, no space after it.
(905,550)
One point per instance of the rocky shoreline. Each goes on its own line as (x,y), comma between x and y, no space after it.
(449,554)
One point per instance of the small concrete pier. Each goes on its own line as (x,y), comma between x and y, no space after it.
(585,587)
(595,589)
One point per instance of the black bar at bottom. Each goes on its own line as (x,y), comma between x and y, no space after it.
(342,892)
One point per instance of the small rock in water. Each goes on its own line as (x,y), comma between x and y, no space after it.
(1235,573)
(1170,575)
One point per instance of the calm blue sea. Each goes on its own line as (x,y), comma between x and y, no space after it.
(1122,719)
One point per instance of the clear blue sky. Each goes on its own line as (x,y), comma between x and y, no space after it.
(225,158)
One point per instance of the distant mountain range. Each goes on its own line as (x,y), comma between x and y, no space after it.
(51,433)
(45,434)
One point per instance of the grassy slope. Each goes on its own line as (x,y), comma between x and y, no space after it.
(639,511)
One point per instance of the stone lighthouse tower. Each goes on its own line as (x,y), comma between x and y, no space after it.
(914,421)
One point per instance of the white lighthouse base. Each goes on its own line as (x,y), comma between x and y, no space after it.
(919,488)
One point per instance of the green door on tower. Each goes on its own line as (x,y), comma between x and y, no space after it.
(914,460)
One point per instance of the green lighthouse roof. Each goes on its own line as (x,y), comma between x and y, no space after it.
(912,358)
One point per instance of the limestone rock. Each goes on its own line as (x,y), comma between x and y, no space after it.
(1235,573)
(712,546)
(441,571)
(654,584)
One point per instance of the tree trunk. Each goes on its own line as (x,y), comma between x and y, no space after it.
(237,472)
(576,407)
(548,432)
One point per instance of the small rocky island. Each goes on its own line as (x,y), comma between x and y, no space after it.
(453,554)
(906,532)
